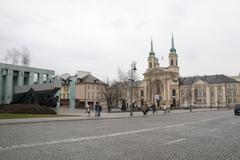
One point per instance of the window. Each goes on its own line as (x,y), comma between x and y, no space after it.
(63,95)
(92,86)
(204,93)
(235,100)
(234,85)
(67,95)
(173,92)
(88,95)
(150,65)
(219,87)
(89,86)
(142,93)
(229,100)
(212,94)
(219,93)
(234,93)
(171,62)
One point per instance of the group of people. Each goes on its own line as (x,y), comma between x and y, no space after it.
(145,108)
(98,109)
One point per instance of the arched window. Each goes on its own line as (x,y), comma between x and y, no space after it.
(173,92)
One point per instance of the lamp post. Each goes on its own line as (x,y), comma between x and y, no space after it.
(133,69)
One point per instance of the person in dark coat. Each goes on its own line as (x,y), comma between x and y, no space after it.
(154,108)
(97,107)
(100,110)
(145,109)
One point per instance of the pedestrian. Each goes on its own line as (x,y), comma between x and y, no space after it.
(165,108)
(154,108)
(88,110)
(100,110)
(96,109)
(145,109)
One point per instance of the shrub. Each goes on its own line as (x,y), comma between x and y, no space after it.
(26,109)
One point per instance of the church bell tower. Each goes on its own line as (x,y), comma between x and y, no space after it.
(173,57)
(152,60)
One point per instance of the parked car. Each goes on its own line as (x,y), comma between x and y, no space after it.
(237,109)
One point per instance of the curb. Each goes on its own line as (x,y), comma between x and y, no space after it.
(94,118)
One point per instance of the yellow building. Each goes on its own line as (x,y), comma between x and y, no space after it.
(89,90)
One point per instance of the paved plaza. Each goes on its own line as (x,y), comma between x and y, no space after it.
(197,135)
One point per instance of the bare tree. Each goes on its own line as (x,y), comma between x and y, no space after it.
(108,93)
(15,56)
(25,56)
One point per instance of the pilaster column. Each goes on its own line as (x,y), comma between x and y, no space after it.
(216,95)
(165,89)
(40,78)
(208,97)
(224,96)
(168,92)
(20,78)
(31,78)
(1,87)
(9,85)
(146,91)
(72,94)
(48,78)
(193,96)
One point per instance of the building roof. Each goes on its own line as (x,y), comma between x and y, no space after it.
(38,87)
(91,79)
(172,50)
(26,68)
(151,53)
(210,79)
(126,84)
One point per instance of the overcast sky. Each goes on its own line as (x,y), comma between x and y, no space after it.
(101,35)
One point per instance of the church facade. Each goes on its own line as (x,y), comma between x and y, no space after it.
(161,84)
(164,86)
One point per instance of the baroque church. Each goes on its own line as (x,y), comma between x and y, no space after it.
(164,86)
(161,84)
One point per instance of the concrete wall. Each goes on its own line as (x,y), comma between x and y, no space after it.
(14,75)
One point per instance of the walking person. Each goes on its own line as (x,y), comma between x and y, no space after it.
(100,110)
(145,109)
(165,108)
(96,109)
(88,110)
(154,108)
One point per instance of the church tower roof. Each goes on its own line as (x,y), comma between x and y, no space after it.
(151,52)
(172,49)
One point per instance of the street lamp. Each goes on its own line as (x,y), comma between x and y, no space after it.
(133,69)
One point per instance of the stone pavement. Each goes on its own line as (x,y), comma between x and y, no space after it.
(206,135)
(79,114)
